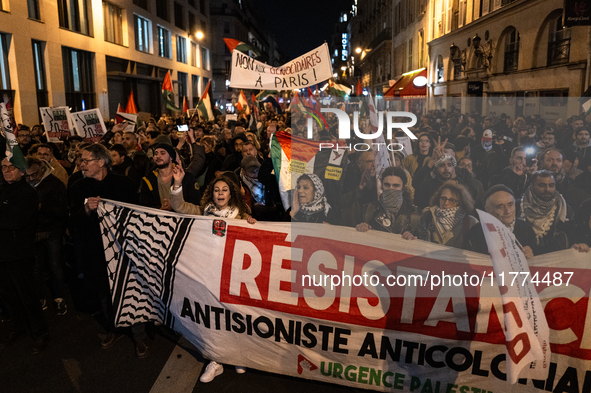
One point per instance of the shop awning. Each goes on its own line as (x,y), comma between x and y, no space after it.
(411,84)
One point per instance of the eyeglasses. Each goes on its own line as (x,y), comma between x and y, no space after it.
(6,168)
(28,176)
(451,200)
(85,161)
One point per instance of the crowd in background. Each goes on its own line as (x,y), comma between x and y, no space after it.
(531,174)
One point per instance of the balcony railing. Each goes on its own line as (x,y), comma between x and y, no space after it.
(385,35)
(558,52)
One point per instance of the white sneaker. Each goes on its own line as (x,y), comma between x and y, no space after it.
(212,370)
(240,369)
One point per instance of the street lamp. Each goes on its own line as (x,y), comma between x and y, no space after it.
(199,35)
(358,50)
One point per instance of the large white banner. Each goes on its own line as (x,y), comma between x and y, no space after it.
(307,70)
(89,125)
(57,123)
(368,310)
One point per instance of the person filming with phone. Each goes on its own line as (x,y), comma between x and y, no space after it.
(517,176)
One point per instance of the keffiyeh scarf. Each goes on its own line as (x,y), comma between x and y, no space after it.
(319,203)
(541,214)
(391,201)
(227,212)
(447,219)
(256,188)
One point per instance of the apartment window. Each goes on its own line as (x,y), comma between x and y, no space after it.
(162,9)
(74,15)
(113,23)
(205,82)
(409,66)
(141,3)
(421,48)
(4,71)
(179,17)
(205,58)
(182,76)
(181,49)
(40,81)
(34,12)
(558,43)
(439,69)
(202,7)
(163,42)
(511,51)
(193,54)
(192,23)
(79,80)
(143,34)
(195,88)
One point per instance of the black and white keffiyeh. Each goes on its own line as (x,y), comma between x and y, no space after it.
(542,214)
(319,203)
(391,201)
(227,212)
(446,219)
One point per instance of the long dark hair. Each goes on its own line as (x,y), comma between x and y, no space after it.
(236,198)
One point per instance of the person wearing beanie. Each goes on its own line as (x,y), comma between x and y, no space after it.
(155,187)
(499,201)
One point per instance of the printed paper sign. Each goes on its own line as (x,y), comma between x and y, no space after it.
(90,125)
(307,70)
(56,122)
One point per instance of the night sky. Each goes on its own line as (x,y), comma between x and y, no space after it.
(301,25)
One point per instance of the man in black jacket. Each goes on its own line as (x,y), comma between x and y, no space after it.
(517,175)
(85,196)
(51,223)
(18,215)
(500,203)
(155,186)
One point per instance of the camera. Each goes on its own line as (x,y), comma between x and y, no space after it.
(182,128)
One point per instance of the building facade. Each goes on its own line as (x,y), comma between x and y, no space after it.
(91,53)
(236,19)
(514,53)
(371,35)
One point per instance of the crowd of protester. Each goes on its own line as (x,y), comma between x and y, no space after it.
(533,175)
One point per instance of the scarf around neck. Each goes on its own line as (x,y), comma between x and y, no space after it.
(227,212)
(447,219)
(542,214)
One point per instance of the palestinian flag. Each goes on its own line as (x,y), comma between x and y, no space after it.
(204,106)
(359,88)
(8,132)
(167,93)
(293,156)
(338,90)
(185,105)
(243,104)
(243,47)
(130,108)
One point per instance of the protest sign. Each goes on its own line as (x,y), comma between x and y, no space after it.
(406,142)
(307,70)
(89,125)
(526,326)
(231,117)
(240,294)
(131,120)
(56,123)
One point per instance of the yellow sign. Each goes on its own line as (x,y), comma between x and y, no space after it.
(333,173)
(297,166)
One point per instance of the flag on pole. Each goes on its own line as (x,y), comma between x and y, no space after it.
(130,108)
(204,105)
(167,93)
(120,109)
(8,131)
(243,104)
(265,93)
(185,105)
(243,47)
(253,98)
(359,89)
